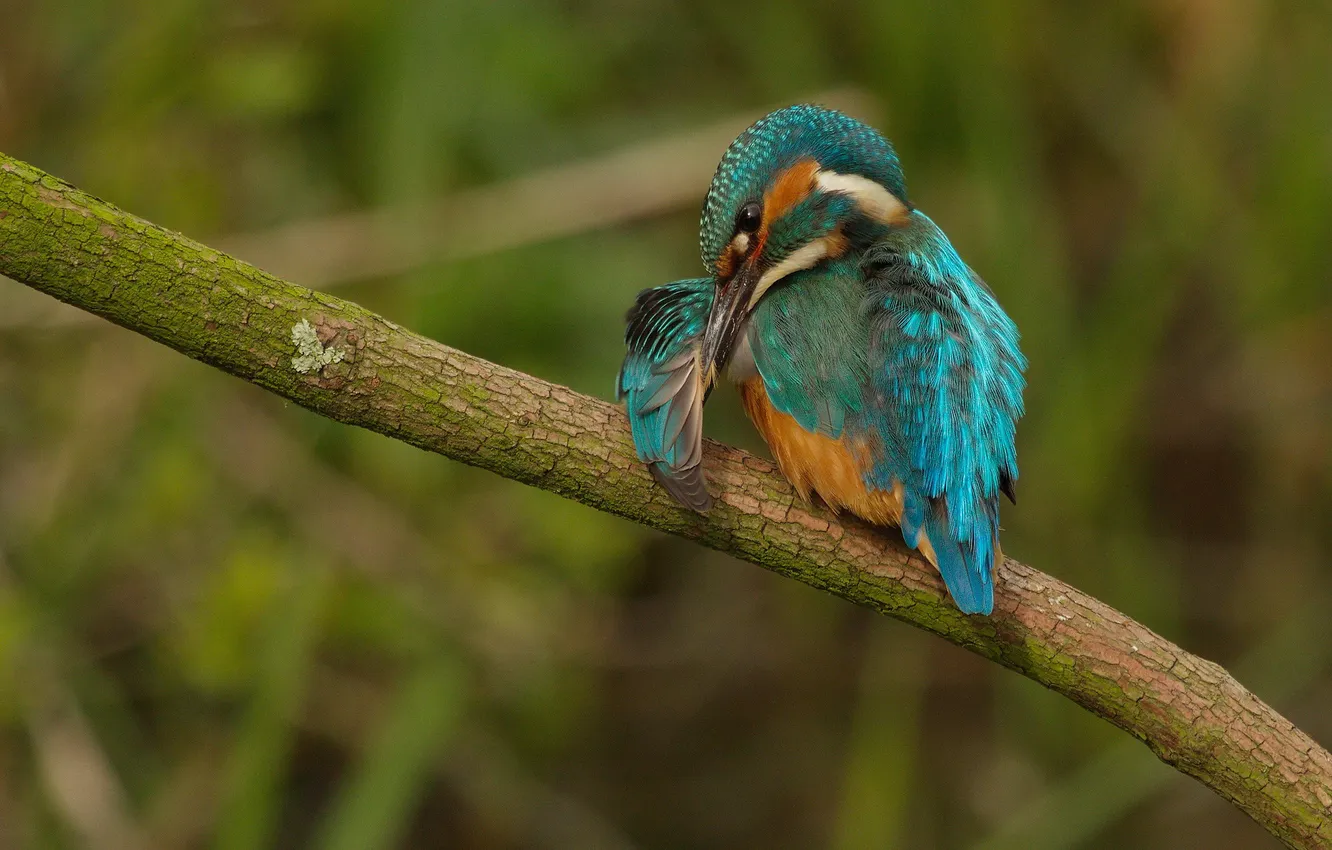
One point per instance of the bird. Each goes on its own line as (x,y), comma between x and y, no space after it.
(877,366)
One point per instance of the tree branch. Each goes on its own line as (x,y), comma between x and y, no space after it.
(380,376)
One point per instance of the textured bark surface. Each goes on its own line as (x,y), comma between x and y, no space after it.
(216,309)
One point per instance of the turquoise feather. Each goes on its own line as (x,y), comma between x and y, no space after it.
(662,388)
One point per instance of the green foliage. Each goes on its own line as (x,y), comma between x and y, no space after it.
(250,805)
(374,808)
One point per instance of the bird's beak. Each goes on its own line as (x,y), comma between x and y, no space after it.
(729,310)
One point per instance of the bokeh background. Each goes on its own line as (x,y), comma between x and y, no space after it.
(227,623)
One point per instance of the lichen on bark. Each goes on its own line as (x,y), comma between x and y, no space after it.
(311,354)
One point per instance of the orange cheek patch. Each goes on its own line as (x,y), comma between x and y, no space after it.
(790,188)
(837,242)
(726,263)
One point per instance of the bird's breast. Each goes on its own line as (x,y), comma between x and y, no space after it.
(816,463)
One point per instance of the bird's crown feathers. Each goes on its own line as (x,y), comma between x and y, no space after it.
(837,142)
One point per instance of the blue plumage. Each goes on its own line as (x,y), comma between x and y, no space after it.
(661,384)
(857,318)
(950,381)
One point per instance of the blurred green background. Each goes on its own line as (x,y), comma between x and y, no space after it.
(227,623)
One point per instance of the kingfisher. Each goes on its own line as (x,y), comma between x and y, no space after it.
(878,367)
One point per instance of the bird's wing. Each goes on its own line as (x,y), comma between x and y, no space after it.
(663,388)
(946,389)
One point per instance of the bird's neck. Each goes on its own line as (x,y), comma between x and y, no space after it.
(922,244)
(812,316)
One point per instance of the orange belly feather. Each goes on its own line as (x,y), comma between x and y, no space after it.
(818,464)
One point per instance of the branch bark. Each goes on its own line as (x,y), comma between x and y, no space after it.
(213,308)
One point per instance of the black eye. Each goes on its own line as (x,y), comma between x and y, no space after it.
(747,220)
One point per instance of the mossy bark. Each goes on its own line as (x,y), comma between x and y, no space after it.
(216,309)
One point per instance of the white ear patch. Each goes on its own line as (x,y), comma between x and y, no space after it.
(873,199)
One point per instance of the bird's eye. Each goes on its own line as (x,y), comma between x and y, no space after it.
(747,220)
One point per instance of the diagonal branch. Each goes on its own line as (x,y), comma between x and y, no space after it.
(368,371)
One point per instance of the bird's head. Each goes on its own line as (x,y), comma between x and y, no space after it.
(801,185)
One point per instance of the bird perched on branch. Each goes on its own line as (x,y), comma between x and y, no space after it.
(878,367)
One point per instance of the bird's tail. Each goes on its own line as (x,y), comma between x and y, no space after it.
(965,564)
